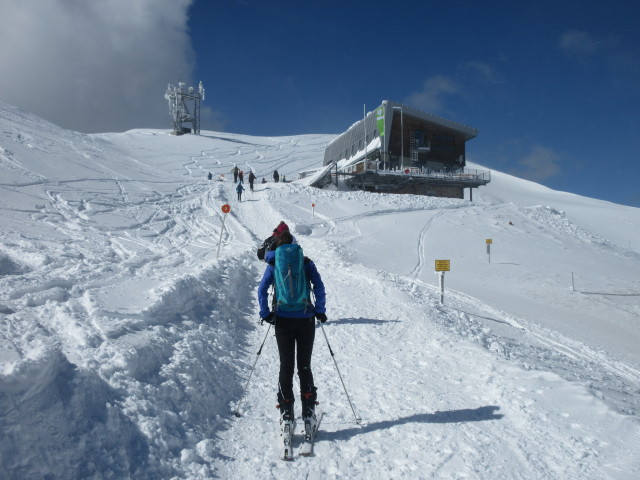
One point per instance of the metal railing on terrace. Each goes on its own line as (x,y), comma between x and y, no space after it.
(466,175)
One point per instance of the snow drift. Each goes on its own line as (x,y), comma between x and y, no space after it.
(127,339)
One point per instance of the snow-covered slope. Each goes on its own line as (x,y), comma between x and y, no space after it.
(128,332)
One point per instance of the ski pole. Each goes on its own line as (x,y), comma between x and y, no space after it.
(237,412)
(358,419)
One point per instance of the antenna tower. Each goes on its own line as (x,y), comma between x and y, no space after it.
(184,107)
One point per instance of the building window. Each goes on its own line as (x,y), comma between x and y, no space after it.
(420,138)
(444,138)
(443,148)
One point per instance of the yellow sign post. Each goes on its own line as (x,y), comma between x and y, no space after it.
(489,241)
(442,266)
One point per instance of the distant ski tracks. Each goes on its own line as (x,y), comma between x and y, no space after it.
(545,350)
(416,272)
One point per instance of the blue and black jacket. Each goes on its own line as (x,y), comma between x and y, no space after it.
(313,277)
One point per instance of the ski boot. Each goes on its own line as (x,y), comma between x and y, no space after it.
(287,427)
(309,418)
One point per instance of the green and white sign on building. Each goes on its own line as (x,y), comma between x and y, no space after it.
(380,120)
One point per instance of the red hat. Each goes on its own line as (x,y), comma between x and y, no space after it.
(280,228)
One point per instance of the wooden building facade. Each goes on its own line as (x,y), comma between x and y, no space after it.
(399,149)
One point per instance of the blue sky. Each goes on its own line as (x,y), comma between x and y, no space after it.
(553,87)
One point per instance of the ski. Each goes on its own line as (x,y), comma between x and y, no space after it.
(310,429)
(287,428)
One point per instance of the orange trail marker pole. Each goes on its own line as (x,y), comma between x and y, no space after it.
(226,208)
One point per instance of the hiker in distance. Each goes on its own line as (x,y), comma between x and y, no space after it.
(239,189)
(252,178)
(293,317)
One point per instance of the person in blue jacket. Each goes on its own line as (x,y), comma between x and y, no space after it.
(293,329)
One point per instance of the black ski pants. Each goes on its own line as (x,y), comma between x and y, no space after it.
(292,333)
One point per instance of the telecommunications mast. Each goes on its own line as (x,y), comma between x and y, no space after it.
(184,107)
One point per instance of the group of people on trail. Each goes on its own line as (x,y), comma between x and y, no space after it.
(238,179)
(293,314)
(276,177)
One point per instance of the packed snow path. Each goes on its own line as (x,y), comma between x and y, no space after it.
(126,340)
(433,406)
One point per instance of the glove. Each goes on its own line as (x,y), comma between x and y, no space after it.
(271,318)
(322,317)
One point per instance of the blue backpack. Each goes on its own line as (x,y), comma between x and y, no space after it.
(292,287)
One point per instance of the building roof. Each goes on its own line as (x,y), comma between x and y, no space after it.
(469,132)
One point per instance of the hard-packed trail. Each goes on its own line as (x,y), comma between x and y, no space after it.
(129,320)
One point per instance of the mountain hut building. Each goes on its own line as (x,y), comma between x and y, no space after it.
(398,149)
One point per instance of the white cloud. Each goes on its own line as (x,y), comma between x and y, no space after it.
(579,43)
(583,45)
(540,164)
(94,66)
(609,51)
(433,95)
(483,72)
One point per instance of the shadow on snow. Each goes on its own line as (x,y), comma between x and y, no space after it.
(480,414)
(362,321)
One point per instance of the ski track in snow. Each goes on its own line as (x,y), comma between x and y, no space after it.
(127,340)
(421,246)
